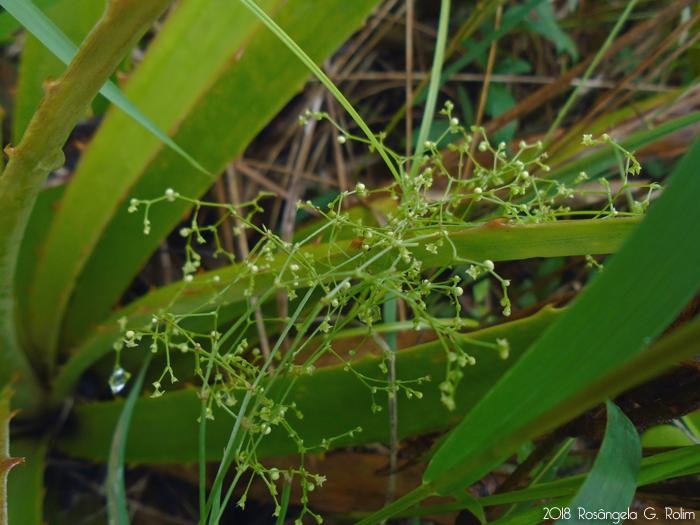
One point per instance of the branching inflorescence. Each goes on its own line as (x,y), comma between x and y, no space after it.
(336,277)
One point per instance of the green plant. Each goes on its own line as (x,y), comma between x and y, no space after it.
(342,277)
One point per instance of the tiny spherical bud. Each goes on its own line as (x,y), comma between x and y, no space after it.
(360,188)
(170,194)
(342,139)
(522,144)
(129,334)
(216,278)
(478,190)
(294,267)
(454,122)
(184,232)
(483,146)
(189,278)
(501,145)
(488,264)
(458,290)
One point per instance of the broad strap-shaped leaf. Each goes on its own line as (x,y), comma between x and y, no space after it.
(499,243)
(641,290)
(38,64)
(684,461)
(612,482)
(26,482)
(178,411)
(43,28)
(213,103)
(40,151)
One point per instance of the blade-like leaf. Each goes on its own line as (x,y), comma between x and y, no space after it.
(38,64)
(214,103)
(117,508)
(178,411)
(641,290)
(26,484)
(653,469)
(497,243)
(611,483)
(9,24)
(40,151)
(43,28)
(629,304)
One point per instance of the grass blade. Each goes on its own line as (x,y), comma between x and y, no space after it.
(41,26)
(628,305)
(611,483)
(117,507)
(641,290)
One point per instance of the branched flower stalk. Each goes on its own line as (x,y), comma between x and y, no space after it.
(329,297)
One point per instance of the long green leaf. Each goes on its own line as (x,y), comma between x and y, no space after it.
(9,24)
(43,28)
(26,484)
(40,151)
(478,243)
(641,290)
(629,304)
(178,411)
(38,64)
(611,483)
(214,103)
(117,508)
(653,469)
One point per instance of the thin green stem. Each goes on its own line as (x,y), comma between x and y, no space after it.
(434,87)
(589,71)
(390,316)
(327,82)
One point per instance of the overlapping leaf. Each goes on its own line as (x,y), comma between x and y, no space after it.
(212,78)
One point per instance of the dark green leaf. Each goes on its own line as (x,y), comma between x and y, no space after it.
(627,306)
(611,483)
